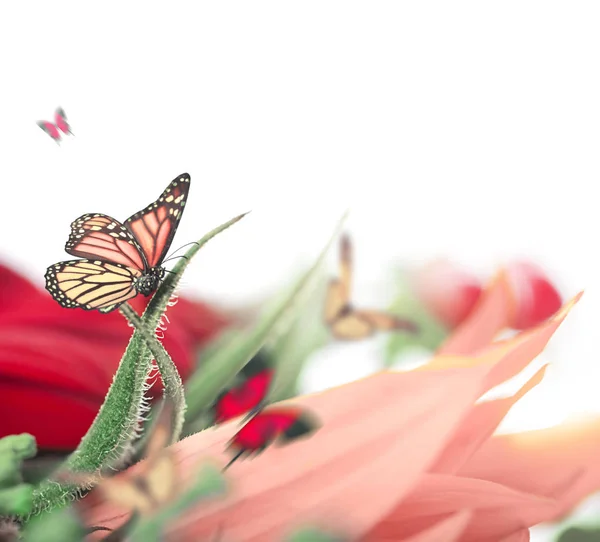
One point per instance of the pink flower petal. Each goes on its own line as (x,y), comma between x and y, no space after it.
(497,510)
(515,353)
(479,426)
(560,462)
(519,536)
(448,291)
(365,451)
(448,530)
(492,313)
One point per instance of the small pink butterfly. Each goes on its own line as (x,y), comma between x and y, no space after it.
(60,121)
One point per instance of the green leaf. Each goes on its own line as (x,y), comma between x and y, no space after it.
(307,334)
(210,483)
(23,445)
(580,534)
(116,423)
(58,526)
(15,496)
(314,535)
(216,372)
(16,500)
(407,305)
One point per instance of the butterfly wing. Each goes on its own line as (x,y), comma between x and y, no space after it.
(155,226)
(99,236)
(91,284)
(161,478)
(124,490)
(50,129)
(61,121)
(244,397)
(338,292)
(382,321)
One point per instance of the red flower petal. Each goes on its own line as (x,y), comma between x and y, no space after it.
(537,298)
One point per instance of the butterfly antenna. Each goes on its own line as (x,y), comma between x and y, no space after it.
(186,245)
(233,459)
(175,257)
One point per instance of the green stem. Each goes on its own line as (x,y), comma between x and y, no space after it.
(168,371)
(117,422)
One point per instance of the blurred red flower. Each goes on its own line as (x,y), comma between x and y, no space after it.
(56,364)
(451,293)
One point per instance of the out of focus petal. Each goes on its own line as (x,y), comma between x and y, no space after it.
(448,530)
(536,297)
(449,292)
(491,314)
(478,427)
(560,462)
(50,430)
(516,353)
(367,456)
(497,510)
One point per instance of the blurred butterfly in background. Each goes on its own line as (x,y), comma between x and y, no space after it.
(344,321)
(145,490)
(121,260)
(60,125)
(247,396)
(274,424)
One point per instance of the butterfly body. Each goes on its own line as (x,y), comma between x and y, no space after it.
(60,125)
(119,261)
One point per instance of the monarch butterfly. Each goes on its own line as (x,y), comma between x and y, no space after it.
(343,320)
(265,426)
(120,260)
(60,125)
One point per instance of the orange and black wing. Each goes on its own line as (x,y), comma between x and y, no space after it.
(91,284)
(98,236)
(155,226)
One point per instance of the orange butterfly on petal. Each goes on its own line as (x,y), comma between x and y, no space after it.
(348,323)
(120,260)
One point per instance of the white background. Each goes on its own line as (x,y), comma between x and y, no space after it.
(465,129)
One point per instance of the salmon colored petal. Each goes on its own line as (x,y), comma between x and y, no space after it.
(519,536)
(560,462)
(478,427)
(516,352)
(448,530)
(491,314)
(379,435)
(498,511)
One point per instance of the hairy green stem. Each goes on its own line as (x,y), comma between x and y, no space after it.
(172,382)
